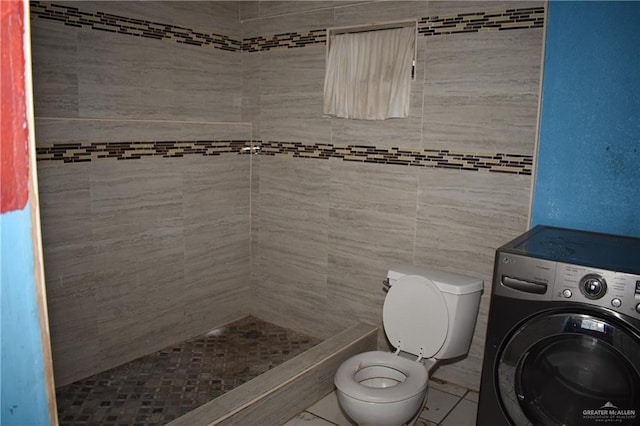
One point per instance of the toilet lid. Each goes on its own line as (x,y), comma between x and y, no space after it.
(415,316)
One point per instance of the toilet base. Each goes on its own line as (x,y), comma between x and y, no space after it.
(399,413)
(415,418)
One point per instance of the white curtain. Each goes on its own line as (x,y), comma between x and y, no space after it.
(368,74)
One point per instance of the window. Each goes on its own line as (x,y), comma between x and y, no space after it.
(368,73)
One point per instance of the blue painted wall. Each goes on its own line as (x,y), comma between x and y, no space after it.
(588,173)
(23,341)
(23,395)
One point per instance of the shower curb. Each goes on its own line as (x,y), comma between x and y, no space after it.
(281,393)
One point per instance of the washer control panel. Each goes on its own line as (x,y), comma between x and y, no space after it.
(609,289)
(524,277)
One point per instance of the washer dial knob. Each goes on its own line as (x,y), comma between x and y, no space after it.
(593,286)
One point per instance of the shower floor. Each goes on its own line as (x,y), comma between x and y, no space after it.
(160,387)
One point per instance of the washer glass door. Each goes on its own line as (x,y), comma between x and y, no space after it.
(565,368)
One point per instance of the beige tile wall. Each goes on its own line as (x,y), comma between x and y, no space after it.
(212,16)
(326,231)
(481,91)
(461,219)
(79,72)
(139,254)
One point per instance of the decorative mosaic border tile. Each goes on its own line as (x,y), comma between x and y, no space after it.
(473,22)
(510,19)
(288,40)
(72,16)
(497,163)
(91,151)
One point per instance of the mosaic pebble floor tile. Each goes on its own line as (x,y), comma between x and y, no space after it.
(158,388)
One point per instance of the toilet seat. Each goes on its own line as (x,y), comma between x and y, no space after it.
(415,382)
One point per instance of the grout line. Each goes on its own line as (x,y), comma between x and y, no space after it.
(467,394)
(129,120)
(320,417)
(451,410)
(299,12)
(415,219)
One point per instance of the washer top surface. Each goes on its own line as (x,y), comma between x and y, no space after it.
(613,252)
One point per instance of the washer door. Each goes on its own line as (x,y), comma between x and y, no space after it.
(568,368)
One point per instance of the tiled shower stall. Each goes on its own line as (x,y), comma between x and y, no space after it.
(158,224)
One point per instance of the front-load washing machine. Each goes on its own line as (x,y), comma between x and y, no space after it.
(563,336)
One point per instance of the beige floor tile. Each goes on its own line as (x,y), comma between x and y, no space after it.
(464,414)
(447,387)
(438,405)
(306,418)
(329,409)
(472,396)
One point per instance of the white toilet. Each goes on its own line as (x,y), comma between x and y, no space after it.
(428,316)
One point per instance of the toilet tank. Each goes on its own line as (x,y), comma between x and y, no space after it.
(462,297)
